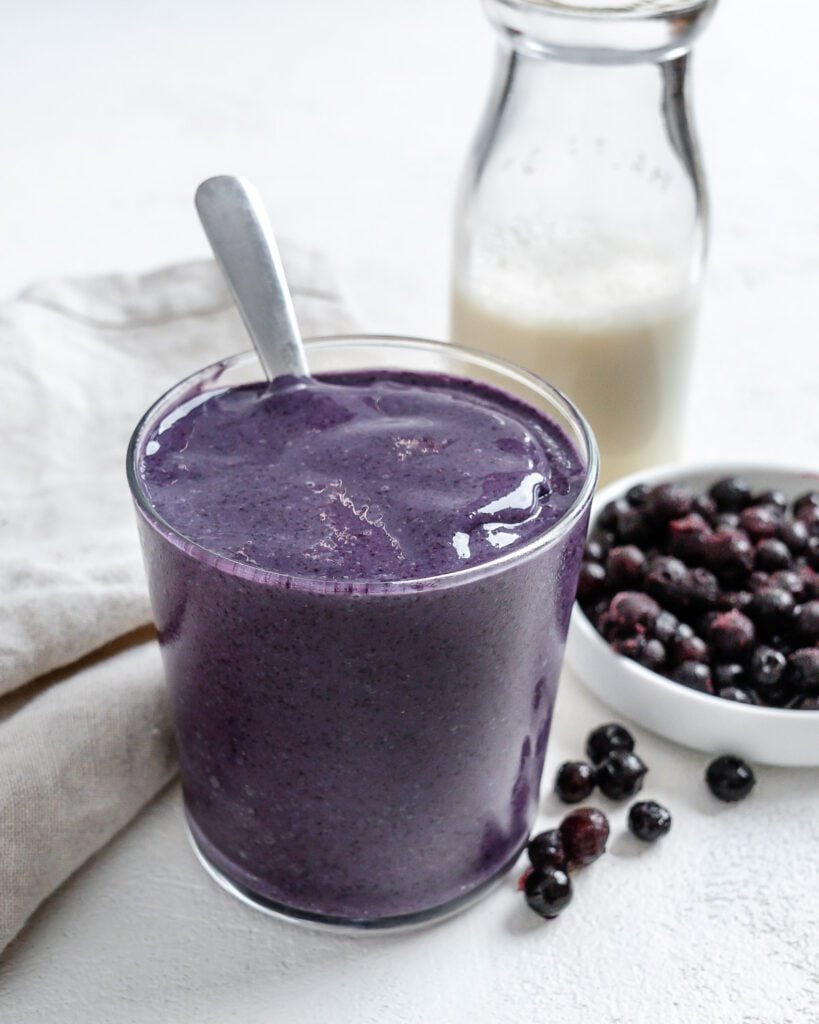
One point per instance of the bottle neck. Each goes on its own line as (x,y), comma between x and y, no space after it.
(590,32)
(623,114)
(584,32)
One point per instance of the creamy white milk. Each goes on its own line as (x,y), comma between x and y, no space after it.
(617,350)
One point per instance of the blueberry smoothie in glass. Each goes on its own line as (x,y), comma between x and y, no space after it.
(362,583)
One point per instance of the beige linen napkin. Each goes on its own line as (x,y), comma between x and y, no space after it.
(80,361)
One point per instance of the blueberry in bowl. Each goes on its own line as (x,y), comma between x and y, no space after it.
(700,614)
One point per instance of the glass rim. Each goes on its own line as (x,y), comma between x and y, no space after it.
(272,577)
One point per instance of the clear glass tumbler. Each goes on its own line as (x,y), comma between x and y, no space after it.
(365,754)
(581,228)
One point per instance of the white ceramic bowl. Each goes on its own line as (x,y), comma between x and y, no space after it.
(765,735)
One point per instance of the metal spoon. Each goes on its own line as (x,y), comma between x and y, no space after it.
(239,232)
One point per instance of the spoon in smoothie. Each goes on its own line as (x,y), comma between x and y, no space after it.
(236,224)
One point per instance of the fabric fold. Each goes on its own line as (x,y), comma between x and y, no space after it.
(76,764)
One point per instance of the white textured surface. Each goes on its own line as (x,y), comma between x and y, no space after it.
(353,119)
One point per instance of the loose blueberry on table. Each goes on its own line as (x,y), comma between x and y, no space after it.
(717,591)
(580,840)
(606,739)
(621,775)
(548,890)
(546,850)
(575,781)
(616,769)
(584,833)
(729,778)
(649,820)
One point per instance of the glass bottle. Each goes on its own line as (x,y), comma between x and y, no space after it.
(581,227)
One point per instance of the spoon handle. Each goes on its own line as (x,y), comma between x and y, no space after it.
(235,221)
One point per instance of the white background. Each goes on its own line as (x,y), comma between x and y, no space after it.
(353,116)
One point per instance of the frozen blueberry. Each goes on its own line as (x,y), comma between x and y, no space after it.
(649,820)
(666,579)
(624,566)
(730,555)
(728,675)
(687,537)
(802,673)
(731,494)
(788,579)
(726,521)
(695,675)
(729,778)
(772,555)
(808,704)
(621,774)
(653,655)
(585,833)
(574,781)
(690,648)
(666,502)
(766,669)
(760,521)
(546,850)
(772,610)
(548,891)
(683,631)
(631,610)
(731,635)
(591,582)
(632,647)
(702,590)
(794,534)
(774,497)
(705,505)
(665,627)
(607,738)
(806,501)
(607,520)
(636,495)
(633,527)
(809,516)
(805,622)
(810,581)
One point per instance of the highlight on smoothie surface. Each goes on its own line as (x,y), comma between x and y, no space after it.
(372,475)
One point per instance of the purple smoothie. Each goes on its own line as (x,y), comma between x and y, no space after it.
(362,626)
